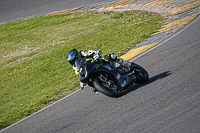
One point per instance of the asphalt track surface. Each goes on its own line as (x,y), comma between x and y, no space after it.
(168,103)
(11,10)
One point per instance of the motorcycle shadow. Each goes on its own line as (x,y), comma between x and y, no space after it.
(151,80)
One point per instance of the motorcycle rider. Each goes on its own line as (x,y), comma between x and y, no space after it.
(74,54)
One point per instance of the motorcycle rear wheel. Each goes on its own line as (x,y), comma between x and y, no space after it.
(143,76)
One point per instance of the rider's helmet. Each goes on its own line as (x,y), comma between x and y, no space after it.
(72,56)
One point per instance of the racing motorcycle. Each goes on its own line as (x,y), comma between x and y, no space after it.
(111,79)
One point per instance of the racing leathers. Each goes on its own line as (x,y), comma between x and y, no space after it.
(95,54)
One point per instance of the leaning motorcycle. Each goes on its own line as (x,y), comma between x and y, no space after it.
(109,78)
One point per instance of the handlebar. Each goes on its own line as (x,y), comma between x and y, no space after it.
(99,58)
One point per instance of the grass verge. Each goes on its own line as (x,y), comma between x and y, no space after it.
(34,71)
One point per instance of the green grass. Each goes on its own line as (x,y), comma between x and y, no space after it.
(34,71)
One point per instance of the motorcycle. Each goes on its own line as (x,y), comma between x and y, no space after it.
(111,79)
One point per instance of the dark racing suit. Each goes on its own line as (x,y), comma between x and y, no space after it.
(91,54)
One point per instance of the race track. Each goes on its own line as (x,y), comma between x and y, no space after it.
(169,102)
(11,10)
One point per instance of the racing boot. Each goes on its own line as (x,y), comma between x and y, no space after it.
(120,61)
(125,63)
(94,90)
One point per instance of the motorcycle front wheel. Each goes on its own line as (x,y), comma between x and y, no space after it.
(104,89)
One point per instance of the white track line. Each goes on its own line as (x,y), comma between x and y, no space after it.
(41,110)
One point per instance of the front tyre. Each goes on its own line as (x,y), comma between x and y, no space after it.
(142,75)
(104,89)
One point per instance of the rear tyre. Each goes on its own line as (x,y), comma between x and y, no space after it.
(101,87)
(142,76)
